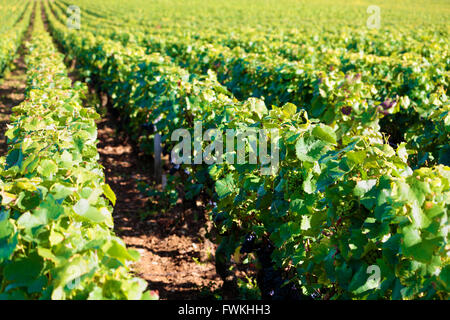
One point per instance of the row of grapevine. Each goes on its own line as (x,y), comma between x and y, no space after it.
(12,12)
(314,54)
(386,43)
(56,238)
(338,204)
(338,87)
(12,34)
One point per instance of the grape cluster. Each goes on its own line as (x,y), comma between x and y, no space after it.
(347,110)
(294,182)
(148,127)
(249,243)
(270,280)
(315,295)
(371,256)
(345,208)
(386,105)
(175,168)
(218,217)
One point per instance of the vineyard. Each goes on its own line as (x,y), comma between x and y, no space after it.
(275,150)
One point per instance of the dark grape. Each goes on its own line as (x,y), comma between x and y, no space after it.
(346,110)
(273,287)
(388,103)
(249,243)
(270,280)
(315,295)
(372,256)
(149,127)
(174,169)
(218,217)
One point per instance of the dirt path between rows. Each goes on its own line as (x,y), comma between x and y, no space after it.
(12,89)
(176,258)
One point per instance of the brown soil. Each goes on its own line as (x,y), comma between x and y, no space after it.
(176,258)
(12,89)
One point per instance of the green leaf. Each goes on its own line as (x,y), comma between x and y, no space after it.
(423,251)
(363,186)
(118,250)
(48,168)
(7,247)
(411,236)
(318,105)
(81,207)
(109,193)
(324,133)
(289,109)
(357,157)
(359,280)
(309,150)
(47,254)
(23,269)
(279,208)
(309,184)
(225,187)
(257,106)
(97,215)
(6,227)
(60,191)
(297,206)
(14,158)
(444,276)
(30,221)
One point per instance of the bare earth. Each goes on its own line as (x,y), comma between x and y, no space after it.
(176,259)
(12,89)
